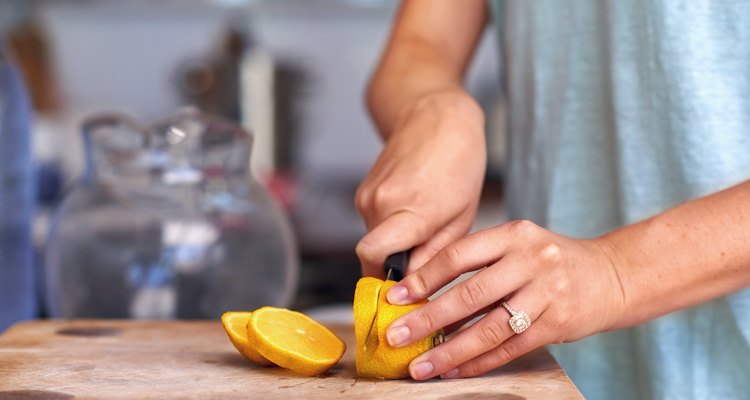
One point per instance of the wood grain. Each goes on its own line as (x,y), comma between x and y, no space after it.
(132,359)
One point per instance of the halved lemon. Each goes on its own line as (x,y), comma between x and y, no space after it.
(376,358)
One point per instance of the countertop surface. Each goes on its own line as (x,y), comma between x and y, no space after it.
(63,359)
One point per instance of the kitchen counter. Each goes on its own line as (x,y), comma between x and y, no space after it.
(66,359)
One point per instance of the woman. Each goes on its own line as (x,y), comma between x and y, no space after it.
(629,149)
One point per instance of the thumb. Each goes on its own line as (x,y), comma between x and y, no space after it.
(452,231)
(398,232)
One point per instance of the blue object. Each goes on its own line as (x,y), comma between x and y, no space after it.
(17,282)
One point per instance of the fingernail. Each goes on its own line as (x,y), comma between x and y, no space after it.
(450,374)
(397,295)
(398,335)
(422,369)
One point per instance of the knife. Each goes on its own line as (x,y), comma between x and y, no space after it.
(395,267)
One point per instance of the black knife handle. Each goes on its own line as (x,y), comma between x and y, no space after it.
(398,263)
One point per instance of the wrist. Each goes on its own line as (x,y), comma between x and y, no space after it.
(614,264)
(447,102)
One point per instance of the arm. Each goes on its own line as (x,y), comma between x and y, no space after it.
(428,51)
(434,135)
(573,288)
(688,255)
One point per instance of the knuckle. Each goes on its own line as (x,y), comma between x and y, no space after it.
(451,256)
(449,359)
(505,353)
(553,334)
(471,368)
(550,253)
(471,294)
(419,284)
(561,287)
(562,319)
(492,333)
(522,228)
(362,198)
(365,251)
(427,321)
(383,195)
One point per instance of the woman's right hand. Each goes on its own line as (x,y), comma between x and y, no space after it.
(423,190)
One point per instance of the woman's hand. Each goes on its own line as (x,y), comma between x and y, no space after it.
(569,288)
(424,189)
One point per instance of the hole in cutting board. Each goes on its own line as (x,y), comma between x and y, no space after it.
(89,332)
(484,396)
(33,395)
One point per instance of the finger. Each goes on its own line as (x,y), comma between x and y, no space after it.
(465,299)
(364,197)
(450,328)
(401,231)
(484,336)
(452,231)
(423,253)
(508,351)
(470,253)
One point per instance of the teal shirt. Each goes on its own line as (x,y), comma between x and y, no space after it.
(619,110)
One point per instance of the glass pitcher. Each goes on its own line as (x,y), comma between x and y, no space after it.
(168,223)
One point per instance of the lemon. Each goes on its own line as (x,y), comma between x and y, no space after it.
(235,323)
(294,341)
(376,358)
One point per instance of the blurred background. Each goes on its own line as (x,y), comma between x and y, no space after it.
(293,72)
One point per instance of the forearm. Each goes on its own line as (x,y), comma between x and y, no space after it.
(428,53)
(410,71)
(685,256)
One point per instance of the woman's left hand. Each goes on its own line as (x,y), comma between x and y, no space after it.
(569,288)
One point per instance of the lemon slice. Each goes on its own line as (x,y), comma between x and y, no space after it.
(235,323)
(294,341)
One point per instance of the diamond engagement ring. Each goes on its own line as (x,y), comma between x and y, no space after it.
(519,320)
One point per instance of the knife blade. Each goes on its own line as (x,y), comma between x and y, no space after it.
(395,267)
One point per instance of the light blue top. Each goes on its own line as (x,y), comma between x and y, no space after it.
(619,110)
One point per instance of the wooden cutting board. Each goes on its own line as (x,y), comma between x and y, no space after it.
(133,359)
